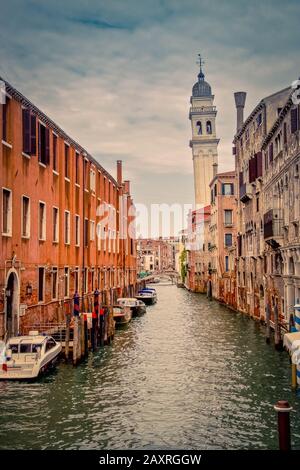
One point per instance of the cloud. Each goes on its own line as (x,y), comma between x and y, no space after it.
(117,76)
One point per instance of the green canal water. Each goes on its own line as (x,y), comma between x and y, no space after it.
(188,374)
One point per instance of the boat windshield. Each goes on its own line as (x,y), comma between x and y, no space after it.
(25,348)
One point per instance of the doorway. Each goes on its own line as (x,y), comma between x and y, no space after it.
(12,305)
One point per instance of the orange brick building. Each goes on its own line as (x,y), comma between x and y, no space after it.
(56,201)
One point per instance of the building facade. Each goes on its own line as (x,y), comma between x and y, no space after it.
(157,255)
(281,215)
(222,237)
(250,264)
(204,142)
(64,222)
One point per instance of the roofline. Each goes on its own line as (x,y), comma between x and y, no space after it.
(283,113)
(18,96)
(259,106)
(221,175)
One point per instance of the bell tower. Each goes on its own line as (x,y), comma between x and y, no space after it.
(204,142)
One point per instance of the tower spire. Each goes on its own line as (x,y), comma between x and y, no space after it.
(201,63)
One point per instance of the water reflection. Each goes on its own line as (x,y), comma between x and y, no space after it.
(188,374)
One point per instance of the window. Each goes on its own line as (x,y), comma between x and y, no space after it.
(259,119)
(6,120)
(76,279)
(66,281)
(208,127)
(92,230)
(85,174)
(54,283)
(86,232)
(41,284)
(227,189)
(294,120)
(50,344)
(199,127)
(77,230)
(85,280)
(92,180)
(54,150)
(42,221)
(67,163)
(44,149)
(228,239)
(257,203)
(55,224)
(26,127)
(77,157)
(228,217)
(6,211)
(226,264)
(25,217)
(67,227)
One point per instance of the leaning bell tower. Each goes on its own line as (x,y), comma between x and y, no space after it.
(204,142)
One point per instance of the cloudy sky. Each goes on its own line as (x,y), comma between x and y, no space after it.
(117,75)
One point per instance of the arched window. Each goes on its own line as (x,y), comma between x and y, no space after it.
(208,127)
(199,127)
(291,266)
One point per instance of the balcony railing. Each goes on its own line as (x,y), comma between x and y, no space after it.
(245,192)
(273,225)
(203,110)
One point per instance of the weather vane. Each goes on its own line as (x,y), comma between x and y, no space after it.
(200,61)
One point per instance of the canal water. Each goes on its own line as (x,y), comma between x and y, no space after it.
(190,374)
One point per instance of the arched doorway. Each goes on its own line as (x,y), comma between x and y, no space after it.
(12,304)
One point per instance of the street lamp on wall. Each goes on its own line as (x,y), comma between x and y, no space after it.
(29,289)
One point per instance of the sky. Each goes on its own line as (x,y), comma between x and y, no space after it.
(117,75)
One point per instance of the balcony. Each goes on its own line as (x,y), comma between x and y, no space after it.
(245,192)
(273,227)
(203,110)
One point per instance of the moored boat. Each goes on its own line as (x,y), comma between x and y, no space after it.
(147,295)
(137,306)
(122,315)
(27,357)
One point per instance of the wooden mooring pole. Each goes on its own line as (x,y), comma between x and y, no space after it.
(283,418)
(75,340)
(67,338)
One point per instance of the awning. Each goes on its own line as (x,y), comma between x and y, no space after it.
(292,341)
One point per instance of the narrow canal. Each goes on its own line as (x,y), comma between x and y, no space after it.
(188,374)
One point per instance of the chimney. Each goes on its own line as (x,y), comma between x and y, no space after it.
(119,172)
(240,98)
(127,187)
(215,169)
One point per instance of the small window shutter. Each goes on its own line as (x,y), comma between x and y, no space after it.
(40,142)
(258,164)
(26,131)
(271,153)
(33,135)
(284,133)
(47,147)
(294,120)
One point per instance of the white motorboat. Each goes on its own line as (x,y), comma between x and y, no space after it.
(137,306)
(122,315)
(26,357)
(147,295)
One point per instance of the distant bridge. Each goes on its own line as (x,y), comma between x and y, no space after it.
(170,275)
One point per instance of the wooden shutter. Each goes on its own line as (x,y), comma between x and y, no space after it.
(241,178)
(294,120)
(284,133)
(252,169)
(47,138)
(271,152)
(32,135)
(26,117)
(258,164)
(4,121)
